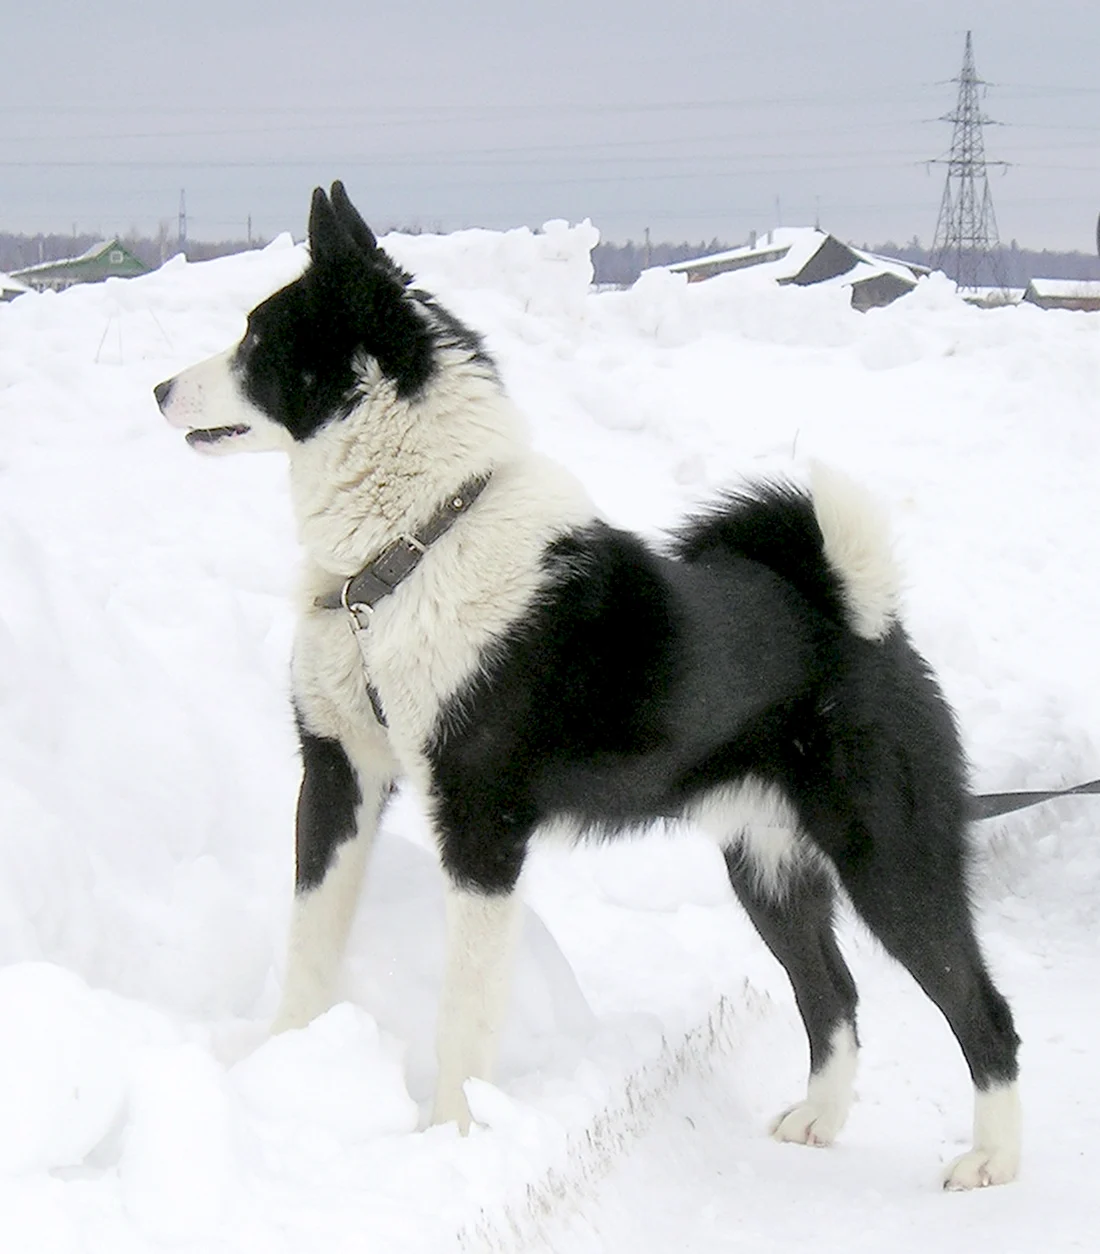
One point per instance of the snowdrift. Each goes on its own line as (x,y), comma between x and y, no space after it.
(148,773)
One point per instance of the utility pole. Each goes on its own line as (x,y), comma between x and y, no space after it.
(966,240)
(648,249)
(181,238)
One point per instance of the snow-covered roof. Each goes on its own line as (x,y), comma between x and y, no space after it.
(786,255)
(784,251)
(8,284)
(1067,289)
(890,265)
(89,254)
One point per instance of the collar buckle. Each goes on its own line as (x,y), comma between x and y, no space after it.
(361,592)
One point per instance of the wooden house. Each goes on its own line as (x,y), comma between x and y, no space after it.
(110,259)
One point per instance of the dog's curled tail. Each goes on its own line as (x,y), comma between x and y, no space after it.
(855,533)
(831,542)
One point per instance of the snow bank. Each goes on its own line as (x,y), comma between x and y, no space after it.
(546,273)
(61,1078)
(148,764)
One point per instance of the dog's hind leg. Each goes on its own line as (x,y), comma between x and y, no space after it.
(339,805)
(794,916)
(920,912)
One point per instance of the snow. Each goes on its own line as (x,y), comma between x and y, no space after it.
(148,773)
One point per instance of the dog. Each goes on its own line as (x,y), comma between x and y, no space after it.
(469,623)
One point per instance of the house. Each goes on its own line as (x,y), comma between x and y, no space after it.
(804,256)
(110,259)
(1064,293)
(11,288)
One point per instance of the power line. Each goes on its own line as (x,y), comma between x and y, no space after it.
(431,112)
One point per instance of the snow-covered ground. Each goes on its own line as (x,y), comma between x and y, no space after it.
(148,772)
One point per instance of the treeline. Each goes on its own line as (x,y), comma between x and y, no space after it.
(1018,265)
(614,264)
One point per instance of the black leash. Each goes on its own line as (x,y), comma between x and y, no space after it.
(991,804)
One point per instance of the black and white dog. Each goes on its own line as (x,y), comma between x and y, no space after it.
(469,623)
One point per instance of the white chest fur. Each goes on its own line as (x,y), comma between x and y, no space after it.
(437,630)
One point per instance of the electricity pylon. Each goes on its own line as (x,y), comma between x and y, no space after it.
(966,244)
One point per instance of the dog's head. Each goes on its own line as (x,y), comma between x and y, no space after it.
(310,350)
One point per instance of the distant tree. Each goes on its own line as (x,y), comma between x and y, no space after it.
(612,263)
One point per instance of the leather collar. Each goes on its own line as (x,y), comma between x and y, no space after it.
(382,574)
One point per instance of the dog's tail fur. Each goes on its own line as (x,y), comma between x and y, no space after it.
(831,542)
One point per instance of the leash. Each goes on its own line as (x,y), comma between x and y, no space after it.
(382,575)
(992,804)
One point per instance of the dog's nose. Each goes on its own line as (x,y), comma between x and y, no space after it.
(162,391)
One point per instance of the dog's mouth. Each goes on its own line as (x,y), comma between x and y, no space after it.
(205,437)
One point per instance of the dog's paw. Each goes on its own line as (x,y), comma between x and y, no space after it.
(286,1023)
(979,1168)
(294,1015)
(452,1109)
(810,1123)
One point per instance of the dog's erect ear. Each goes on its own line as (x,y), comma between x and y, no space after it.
(350,218)
(327,238)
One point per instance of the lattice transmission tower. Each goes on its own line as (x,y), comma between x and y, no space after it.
(966,244)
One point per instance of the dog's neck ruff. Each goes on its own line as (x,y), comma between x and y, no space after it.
(382,574)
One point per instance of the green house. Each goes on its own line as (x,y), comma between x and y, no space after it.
(102,261)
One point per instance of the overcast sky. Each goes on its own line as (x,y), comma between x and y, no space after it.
(698,119)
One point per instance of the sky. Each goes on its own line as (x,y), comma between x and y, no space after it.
(698,120)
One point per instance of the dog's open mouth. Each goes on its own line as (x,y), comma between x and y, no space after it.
(202,437)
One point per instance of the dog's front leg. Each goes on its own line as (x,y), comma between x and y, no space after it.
(481,933)
(340,802)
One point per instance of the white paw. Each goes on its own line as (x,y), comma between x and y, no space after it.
(810,1123)
(303,1000)
(980,1168)
(286,1023)
(298,1014)
(452,1108)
